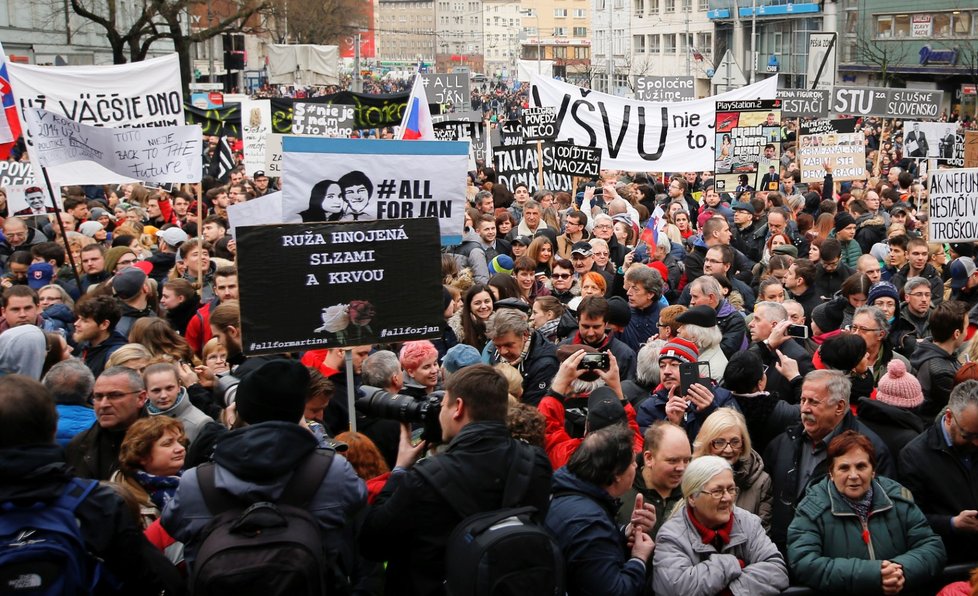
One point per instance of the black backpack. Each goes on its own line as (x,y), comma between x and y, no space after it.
(264,548)
(505,552)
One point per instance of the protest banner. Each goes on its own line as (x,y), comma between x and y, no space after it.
(450,89)
(575,161)
(16,173)
(470,116)
(273,155)
(664,88)
(835,142)
(348,284)
(971,149)
(322,119)
(157,154)
(367,179)
(929,139)
(956,157)
(263,210)
(225,120)
(539,124)
(638,135)
(953,205)
(520,163)
(509,132)
(256,125)
(804,103)
(889,103)
(454,130)
(138,94)
(748,138)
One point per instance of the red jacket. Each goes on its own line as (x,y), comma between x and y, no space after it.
(559,445)
(198,330)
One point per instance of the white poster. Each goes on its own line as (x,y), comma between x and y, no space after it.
(640,135)
(370,179)
(156,154)
(929,139)
(139,94)
(259,211)
(27,200)
(256,125)
(953,205)
(273,155)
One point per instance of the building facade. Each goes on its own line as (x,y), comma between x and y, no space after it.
(559,30)
(405,32)
(501,22)
(458,39)
(671,38)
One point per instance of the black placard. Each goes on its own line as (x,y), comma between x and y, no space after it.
(576,161)
(540,124)
(329,285)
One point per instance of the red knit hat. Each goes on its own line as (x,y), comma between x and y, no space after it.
(680,349)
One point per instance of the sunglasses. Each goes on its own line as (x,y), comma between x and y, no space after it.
(561,275)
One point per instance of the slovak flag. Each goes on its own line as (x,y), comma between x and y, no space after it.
(416,124)
(656,223)
(9,124)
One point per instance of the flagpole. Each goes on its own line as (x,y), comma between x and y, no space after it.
(200,238)
(61,225)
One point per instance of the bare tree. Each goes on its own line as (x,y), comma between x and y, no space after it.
(319,21)
(110,15)
(884,55)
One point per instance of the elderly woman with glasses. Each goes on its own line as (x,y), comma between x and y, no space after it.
(859,533)
(724,434)
(711,546)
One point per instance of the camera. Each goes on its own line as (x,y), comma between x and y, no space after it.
(225,389)
(378,403)
(599,361)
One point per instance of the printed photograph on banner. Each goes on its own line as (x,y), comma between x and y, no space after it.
(954,158)
(519,164)
(256,125)
(748,141)
(364,180)
(953,205)
(929,139)
(25,200)
(351,284)
(833,142)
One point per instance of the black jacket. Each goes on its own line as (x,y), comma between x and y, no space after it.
(870,229)
(94,453)
(750,241)
(827,283)
(782,459)
(935,371)
(96,356)
(929,273)
(538,367)
(896,426)
(33,473)
(942,486)
(409,523)
(808,300)
(623,354)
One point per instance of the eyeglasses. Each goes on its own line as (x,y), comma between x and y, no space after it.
(861,329)
(718,493)
(920,294)
(561,275)
(114,396)
(964,435)
(602,226)
(721,444)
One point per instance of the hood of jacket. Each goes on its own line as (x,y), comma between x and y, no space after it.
(32,471)
(928,351)
(749,470)
(870,219)
(877,411)
(59,312)
(259,454)
(22,350)
(725,309)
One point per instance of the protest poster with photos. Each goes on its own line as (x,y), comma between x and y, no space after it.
(748,141)
(930,139)
(349,284)
(835,142)
(367,179)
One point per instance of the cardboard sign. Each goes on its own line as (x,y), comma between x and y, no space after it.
(971,149)
(256,125)
(540,124)
(953,205)
(664,88)
(323,120)
(520,163)
(804,103)
(748,139)
(352,284)
(835,142)
(368,179)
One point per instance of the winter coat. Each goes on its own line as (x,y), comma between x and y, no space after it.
(596,556)
(903,335)
(94,453)
(776,382)
(782,459)
(73,419)
(409,523)
(755,487)
(623,354)
(643,325)
(870,229)
(198,330)
(929,273)
(896,426)
(718,362)
(684,565)
(654,409)
(475,256)
(831,551)
(560,445)
(179,317)
(33,473)
(60,319)
(162,263)
(538,367)
(851,251)
(184,411)
(827,283)
(809,299)
(943,485)
(751,241)
(95,357)
(733,327)
(935,371)
(254,464)
(130,315)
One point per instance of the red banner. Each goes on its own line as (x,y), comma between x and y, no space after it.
(367,45)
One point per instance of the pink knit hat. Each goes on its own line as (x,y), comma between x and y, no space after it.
(899,389)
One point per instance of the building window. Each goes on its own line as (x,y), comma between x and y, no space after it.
(580,13)
(670,6)
(653,7)
(638,44)
(962,24)
(704,43)
(669,43)
(580,31)
(941,25)
(639,8)
(884,26)
(560,12)
(560,31)
(901,25)
(560,52)
(581,52)
(654,47)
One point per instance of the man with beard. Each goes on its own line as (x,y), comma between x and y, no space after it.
(940,468)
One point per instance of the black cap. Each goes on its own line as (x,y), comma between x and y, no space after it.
(701,316)
(515,303)
(524,240)
(742,206)
(603,409)
(619,312)
(581,248)
(259,174)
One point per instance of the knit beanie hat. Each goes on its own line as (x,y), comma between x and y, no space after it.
(680,349)
(882,289)
(827,317)
(843,220)
(276,390)
(501,264)
(90,228)
(113,255)
(897,388)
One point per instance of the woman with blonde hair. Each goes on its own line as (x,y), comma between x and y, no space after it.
(161,340)
(724,434)
(541,250)
(150,461)
(131,355)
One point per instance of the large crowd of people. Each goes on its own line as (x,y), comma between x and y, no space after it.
(776,387)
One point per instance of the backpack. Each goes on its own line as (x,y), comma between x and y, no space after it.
(41,547)
(504,552)
(264,548)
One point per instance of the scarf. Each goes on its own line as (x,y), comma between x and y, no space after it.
(860,507)
(159,488)
(718,538)
(180,397)
(549,329)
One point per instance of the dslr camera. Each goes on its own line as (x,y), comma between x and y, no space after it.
(378,403)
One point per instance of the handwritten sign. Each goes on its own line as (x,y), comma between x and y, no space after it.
(323,120)
(540,124)
(256,125)
(159,154)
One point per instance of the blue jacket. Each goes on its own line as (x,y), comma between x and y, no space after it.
(596,556)
(654,409)
(643,325)
(73,419)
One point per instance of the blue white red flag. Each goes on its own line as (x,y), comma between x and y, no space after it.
(417,123)
(9,124)
(655,225)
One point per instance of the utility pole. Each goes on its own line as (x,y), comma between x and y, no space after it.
(687,4)
(210,47)
(357,78)
(753,42)
(611,46)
